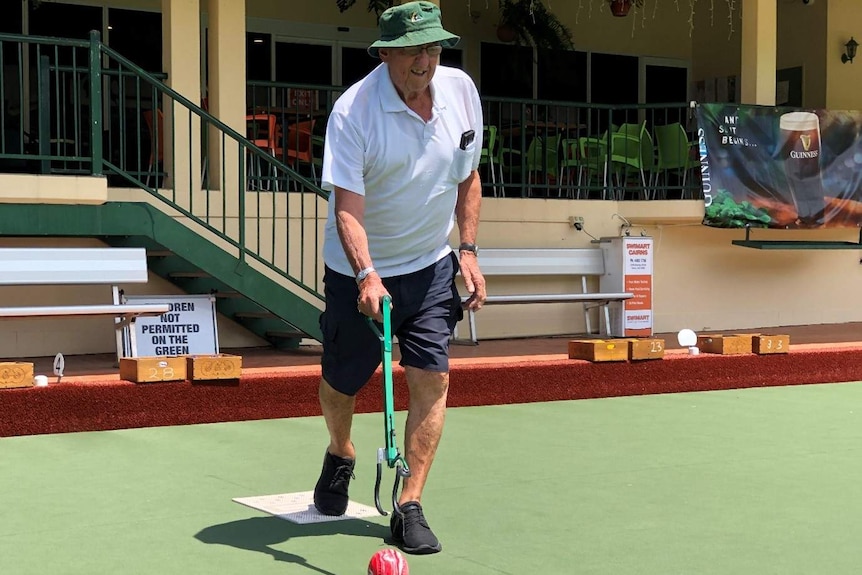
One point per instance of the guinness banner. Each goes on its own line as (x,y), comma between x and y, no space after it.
(779,167)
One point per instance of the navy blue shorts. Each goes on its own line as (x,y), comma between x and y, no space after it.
(425,308)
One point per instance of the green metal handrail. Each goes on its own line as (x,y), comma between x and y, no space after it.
(96,112)
(266,194)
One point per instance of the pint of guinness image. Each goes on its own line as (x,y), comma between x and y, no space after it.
(800,152)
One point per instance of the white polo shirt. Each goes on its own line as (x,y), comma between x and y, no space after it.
(407,169)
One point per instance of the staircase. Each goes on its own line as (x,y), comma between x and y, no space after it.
(217,214)
(245,294)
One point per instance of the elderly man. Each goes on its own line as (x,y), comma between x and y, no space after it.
(402,148)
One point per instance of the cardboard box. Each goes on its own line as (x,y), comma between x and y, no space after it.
(153,369)
(725,344)
(16,374)
(648,348)
(599,349)
(210,367)
(763,344)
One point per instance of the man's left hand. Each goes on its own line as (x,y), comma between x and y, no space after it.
(474,281)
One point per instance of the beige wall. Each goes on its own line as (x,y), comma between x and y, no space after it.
(843,80)
(701,281)
(802,41)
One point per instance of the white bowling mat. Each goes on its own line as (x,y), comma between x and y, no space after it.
(299,508)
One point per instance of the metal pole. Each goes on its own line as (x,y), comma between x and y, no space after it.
(95,103)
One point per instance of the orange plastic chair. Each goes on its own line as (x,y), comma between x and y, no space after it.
(298,146)
(262,131)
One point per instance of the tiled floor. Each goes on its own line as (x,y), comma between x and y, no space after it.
(105,364)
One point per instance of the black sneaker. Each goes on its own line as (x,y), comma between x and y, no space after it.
(411,532)
(330,493)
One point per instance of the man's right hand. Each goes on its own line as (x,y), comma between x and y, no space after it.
(371,292)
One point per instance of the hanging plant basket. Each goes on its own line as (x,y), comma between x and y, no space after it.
(506,33)
(620,8)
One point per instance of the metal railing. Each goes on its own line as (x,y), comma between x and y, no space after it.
(89,110)
(541,148)
(552,149)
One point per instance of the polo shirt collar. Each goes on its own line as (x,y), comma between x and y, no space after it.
(392,102)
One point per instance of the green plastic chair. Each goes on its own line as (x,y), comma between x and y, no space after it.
(674,153)
(632,155)
(593,163)
(492,156)
(317,145)
(543,158)
(569,162)
(649,164)
(630,128)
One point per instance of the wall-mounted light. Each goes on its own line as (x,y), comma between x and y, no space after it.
(849,51)
(475,15)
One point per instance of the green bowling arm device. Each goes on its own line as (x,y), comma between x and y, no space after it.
(389,453)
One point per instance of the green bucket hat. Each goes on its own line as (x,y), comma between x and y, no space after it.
(412,24)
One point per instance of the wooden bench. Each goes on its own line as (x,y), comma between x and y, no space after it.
(79,266)
(582,262)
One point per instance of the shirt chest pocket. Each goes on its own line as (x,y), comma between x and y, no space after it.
(462,162)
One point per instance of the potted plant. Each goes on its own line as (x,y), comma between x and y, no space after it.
(621,8)
(376,6)
(530,23)
(526,22)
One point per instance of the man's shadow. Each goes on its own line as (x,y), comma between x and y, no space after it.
(258,534)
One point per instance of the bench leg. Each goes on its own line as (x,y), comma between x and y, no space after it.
(606,307)
(133,340)
(471,318)
(118,327)
(471,323)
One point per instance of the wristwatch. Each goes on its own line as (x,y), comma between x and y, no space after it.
(466,247)
(364,273)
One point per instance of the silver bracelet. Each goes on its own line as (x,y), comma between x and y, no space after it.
(364,273)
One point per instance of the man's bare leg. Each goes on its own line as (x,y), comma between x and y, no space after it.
(424,427)
(338,412)
(331,491)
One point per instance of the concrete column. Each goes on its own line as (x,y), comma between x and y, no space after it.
(759,51)
(227,85)
(182,62)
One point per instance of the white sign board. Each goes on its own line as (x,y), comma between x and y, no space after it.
(629,268)
(189,327)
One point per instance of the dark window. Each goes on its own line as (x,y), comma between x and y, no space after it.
(562,75)
(303,63)
(507,71)
(258,64)
(63,20)
(11,23)
(137,35)
(452,58)
(258,60)
(666,84)
(355,64)
(614,79)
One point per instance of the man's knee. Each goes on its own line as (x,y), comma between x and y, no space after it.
(425,383)
(331,395)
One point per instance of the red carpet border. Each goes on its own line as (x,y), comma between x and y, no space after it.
(82,406)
